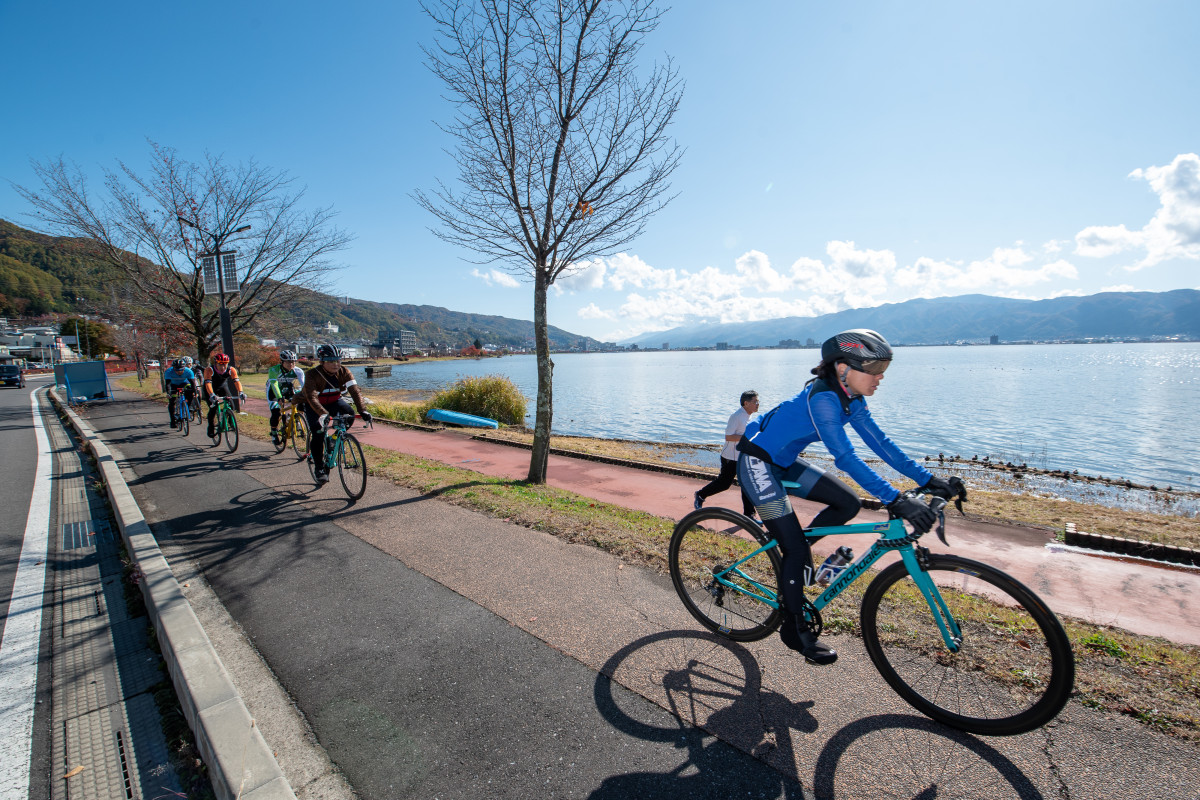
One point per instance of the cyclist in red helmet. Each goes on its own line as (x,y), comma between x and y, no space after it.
(852,365)
(221,380)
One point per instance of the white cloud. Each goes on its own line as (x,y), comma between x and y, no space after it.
(583,276)
(1173,232)
(496,278)
(593,311)
(1124,287)
(1003,271)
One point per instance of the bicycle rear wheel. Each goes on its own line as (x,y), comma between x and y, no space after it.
(705,543)
(299,436)
(231,431)
(1014,669)
(352,467)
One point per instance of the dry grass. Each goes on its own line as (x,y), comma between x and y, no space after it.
(1149,679)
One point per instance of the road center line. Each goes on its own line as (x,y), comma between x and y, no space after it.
(23,628)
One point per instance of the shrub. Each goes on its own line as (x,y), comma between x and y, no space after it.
(493,396)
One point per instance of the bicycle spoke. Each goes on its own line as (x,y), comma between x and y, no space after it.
(707,542)
(1013,670)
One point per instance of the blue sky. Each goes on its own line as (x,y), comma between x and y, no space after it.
(837,154)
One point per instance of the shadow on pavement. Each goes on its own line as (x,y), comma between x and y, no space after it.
(713,689)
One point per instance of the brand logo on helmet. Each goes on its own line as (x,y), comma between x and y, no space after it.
(859,345)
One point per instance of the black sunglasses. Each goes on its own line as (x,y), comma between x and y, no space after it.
(871,367)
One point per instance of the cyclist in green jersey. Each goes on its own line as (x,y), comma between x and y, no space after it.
(284,380)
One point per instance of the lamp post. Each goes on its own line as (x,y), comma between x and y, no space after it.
(226,325)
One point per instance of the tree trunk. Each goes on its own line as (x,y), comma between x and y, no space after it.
(545,405)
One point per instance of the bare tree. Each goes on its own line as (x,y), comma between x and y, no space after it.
(137,228)
(561,146)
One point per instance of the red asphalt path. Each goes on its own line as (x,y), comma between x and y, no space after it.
(1142,597)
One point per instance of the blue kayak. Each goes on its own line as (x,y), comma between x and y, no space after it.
(459,418)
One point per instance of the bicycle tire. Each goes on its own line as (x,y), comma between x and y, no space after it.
(185,424)
(696,553)
(352,467)
(231,431)
(197,416)
(299,436)
(1014,670)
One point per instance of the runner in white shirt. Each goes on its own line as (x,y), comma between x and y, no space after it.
(729,455)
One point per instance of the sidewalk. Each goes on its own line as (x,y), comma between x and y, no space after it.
(440,652)
(1155,599)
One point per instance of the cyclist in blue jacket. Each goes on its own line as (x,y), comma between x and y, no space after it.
(852,365)
(179,377)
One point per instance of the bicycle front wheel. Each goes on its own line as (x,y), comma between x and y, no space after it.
(740,603)
(1014,668)
(352,467)
(281,436)
(231,431)
(184,424)
(299,436)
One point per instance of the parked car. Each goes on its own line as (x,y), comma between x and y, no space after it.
(11,375)
(152,364)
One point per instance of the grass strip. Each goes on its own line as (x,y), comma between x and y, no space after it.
(1149,679)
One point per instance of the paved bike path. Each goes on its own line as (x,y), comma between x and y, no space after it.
(442,653)
(1151,599)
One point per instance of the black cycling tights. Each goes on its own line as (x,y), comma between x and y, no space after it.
(841,506)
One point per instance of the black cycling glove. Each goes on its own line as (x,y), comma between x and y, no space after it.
(946,489)
(366,416)
(913,511)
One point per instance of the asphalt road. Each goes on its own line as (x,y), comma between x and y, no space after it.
(18,461)
(414,690)
(441,653)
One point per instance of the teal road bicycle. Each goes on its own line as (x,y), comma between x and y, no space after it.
(960,641)
(344,452)
(225,425)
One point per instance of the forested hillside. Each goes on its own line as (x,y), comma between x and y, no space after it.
(42,274)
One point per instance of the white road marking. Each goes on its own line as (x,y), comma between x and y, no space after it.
(23,629)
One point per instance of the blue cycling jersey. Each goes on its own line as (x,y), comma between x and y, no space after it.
(821,413)
(176,377)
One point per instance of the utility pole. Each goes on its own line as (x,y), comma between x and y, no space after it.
(226,323)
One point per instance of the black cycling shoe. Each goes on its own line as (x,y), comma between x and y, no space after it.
(322,476)
(697,501)
(797,636)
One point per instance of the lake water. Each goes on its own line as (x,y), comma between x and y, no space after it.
(1117,410)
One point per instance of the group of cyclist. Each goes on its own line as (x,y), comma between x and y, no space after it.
(318,391)
(769,453)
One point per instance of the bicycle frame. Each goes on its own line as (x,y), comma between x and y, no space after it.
(893,537)
(224,414)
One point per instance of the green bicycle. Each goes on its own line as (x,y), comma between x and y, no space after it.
(962,642)
(225,425)
(344,451)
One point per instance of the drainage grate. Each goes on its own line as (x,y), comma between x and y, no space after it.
(124,766)
(80,534)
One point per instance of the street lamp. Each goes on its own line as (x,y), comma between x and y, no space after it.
(226,325)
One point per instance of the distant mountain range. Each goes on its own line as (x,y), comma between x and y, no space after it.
(42,274)
(967,318)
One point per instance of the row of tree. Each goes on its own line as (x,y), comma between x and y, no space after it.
(562,157)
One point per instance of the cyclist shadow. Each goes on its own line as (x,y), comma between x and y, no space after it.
(908,756)
(718,706)
(712,691)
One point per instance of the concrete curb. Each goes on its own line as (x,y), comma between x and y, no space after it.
(241,765)
(1132,547)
